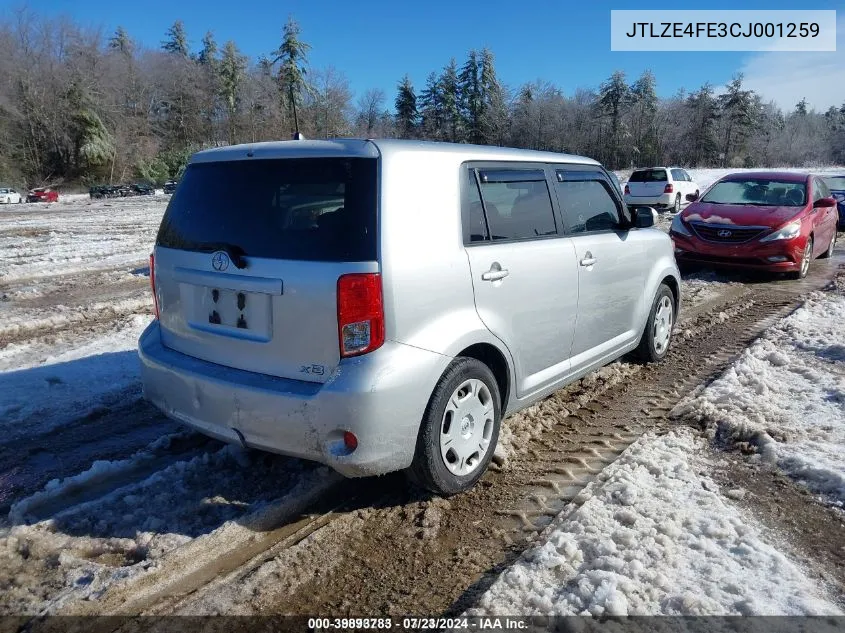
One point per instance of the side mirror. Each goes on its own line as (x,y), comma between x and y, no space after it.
(692,197)
(644,217)
(824,202)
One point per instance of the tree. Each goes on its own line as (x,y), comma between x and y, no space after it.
(430,105)
(702,112)
(469,82)
(450,93)
(406,108)
(370,107)
(644,105)
(293,67)
(493,115)
(208,54)
(121,42)
(614,97)
(801,107)
(232,69)
(177,41)
(738,114)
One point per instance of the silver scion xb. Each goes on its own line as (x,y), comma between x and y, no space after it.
(381,305)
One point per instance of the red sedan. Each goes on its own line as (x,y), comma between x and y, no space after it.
(775,221)
(42,194)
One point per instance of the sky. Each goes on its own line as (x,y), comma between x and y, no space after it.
(374,43)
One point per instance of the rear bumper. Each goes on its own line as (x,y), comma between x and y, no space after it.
(751,256)
(380,397)
(662,201)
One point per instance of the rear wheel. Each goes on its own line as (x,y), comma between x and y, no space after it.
(829,252)
(806,258)
(459,430)
(657,336)
(677,207)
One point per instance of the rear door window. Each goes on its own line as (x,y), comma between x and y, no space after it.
(318,209)
(678,175)
(517,203)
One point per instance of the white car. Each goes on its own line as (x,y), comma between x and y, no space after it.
(9,196)
(660,187)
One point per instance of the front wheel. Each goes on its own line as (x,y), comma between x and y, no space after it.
(657,336)
(459,429)
(806,258)
(829,252)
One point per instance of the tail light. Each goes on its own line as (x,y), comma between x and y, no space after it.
(627,190)
(668,188)
(153,282)
(360,313)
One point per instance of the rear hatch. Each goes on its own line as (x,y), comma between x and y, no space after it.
(647,183)
(248,257)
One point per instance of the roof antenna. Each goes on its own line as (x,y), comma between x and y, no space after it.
(297,135)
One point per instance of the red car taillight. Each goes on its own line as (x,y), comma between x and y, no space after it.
(360,313)
(668,188)
(627,190)
(153,282)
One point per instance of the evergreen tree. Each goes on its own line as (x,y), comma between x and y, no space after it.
(177,40)
(613,99)
(801,107)
(406,108)
(293,67)
(469,82)
(494,114)
(644,108)
(431,109)
(232,70)
(208,54)
(738,114)
(450,91)
(702,112)
(121,42)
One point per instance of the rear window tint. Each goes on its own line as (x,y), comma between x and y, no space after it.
(317,209)
(648,175)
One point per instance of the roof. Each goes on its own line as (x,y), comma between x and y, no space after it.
(372,148)
(785,176)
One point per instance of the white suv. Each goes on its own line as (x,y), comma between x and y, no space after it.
(660,187)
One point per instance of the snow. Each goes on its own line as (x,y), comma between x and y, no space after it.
(48,388)
(786,395)
(654,536)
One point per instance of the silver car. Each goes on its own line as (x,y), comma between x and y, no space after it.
(381,305)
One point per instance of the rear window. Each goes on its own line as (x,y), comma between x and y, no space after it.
(317,209)
(648,175)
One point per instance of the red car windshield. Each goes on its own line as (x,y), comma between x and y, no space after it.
(758,192)
(835,183)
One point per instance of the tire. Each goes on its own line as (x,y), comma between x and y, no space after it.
(829,252)
(654,344)
(430,469)
(805,262)
(677,208)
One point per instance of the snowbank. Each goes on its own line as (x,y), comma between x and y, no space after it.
(652,536)
(786,396)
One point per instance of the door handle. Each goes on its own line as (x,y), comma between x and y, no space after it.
(588,260)
(495,273)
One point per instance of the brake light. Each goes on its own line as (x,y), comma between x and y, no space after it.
(153,282)
(627,190)
(360,313)
(668,188)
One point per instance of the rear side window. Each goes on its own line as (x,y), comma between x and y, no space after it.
(317,209)
(678,175)
(648,175)
(586,203)
(517,204)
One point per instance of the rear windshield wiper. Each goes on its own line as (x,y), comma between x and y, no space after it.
(235,252)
